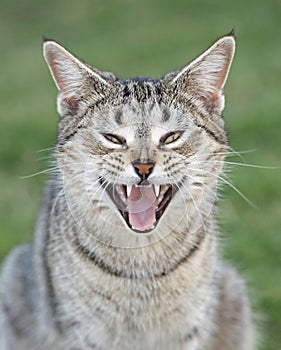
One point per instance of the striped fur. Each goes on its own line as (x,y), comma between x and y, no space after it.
(89,281)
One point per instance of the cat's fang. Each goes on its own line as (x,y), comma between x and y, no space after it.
(128,190)
(157,190)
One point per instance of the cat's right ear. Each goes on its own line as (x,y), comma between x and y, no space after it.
(205,77)
(74,79)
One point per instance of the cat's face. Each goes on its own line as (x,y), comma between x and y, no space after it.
(141,152)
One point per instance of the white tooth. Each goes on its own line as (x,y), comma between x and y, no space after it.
(129,189)
(157,190)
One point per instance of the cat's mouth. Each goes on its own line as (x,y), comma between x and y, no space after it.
(141,206)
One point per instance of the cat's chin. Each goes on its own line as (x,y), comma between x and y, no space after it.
(141,207)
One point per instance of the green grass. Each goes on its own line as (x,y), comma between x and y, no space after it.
(150,38)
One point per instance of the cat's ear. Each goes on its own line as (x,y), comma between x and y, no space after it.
(74,79)
(204,78)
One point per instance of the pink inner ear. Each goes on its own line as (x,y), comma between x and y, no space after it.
(50,56)
(59,79)
(219,83)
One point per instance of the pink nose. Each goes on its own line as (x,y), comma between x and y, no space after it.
(143,169)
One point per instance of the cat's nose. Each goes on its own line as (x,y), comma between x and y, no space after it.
(143,169)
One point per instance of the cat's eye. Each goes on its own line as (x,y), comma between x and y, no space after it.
(118,140)
(170,137)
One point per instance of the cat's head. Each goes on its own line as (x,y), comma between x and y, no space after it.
(140,153)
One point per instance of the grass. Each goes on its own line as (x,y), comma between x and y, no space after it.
(150,38)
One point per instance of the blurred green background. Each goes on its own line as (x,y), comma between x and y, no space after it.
(150,38)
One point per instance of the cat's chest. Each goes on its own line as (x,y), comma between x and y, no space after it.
(133,303)
(111,313)
(102,308)
(121,318)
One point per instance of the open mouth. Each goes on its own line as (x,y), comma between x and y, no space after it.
(141,206)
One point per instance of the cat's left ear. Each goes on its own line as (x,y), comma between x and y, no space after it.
(204,78)
(74,79)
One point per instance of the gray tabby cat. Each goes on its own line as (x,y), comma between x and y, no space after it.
(125,250)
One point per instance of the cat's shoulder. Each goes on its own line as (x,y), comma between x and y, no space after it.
(234,316)
(16,288)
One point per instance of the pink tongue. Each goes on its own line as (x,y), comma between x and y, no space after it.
(141,205)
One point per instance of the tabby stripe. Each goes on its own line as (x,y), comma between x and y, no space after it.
(211,133)
(188,104)
(118,117)
(85,252)
(52,194)
(166,115)
(70,136)
(185,258)
(51,292)
(189,336)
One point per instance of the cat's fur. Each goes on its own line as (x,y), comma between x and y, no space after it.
(91,281)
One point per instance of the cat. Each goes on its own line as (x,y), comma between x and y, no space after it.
(125,254)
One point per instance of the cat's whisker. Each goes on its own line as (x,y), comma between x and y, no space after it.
(50,170)
(195,180)
(248,165)
(46,149)
(220,177)
(242,195)
(179,187)
(226,153)
(239,153)
(103,188)
(244,164)
(50,158)
(194,202)
(69,183)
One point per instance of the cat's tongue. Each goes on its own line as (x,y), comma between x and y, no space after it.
(141,206)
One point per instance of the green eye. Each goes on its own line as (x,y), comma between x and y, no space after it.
(118,140)
(170,137)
